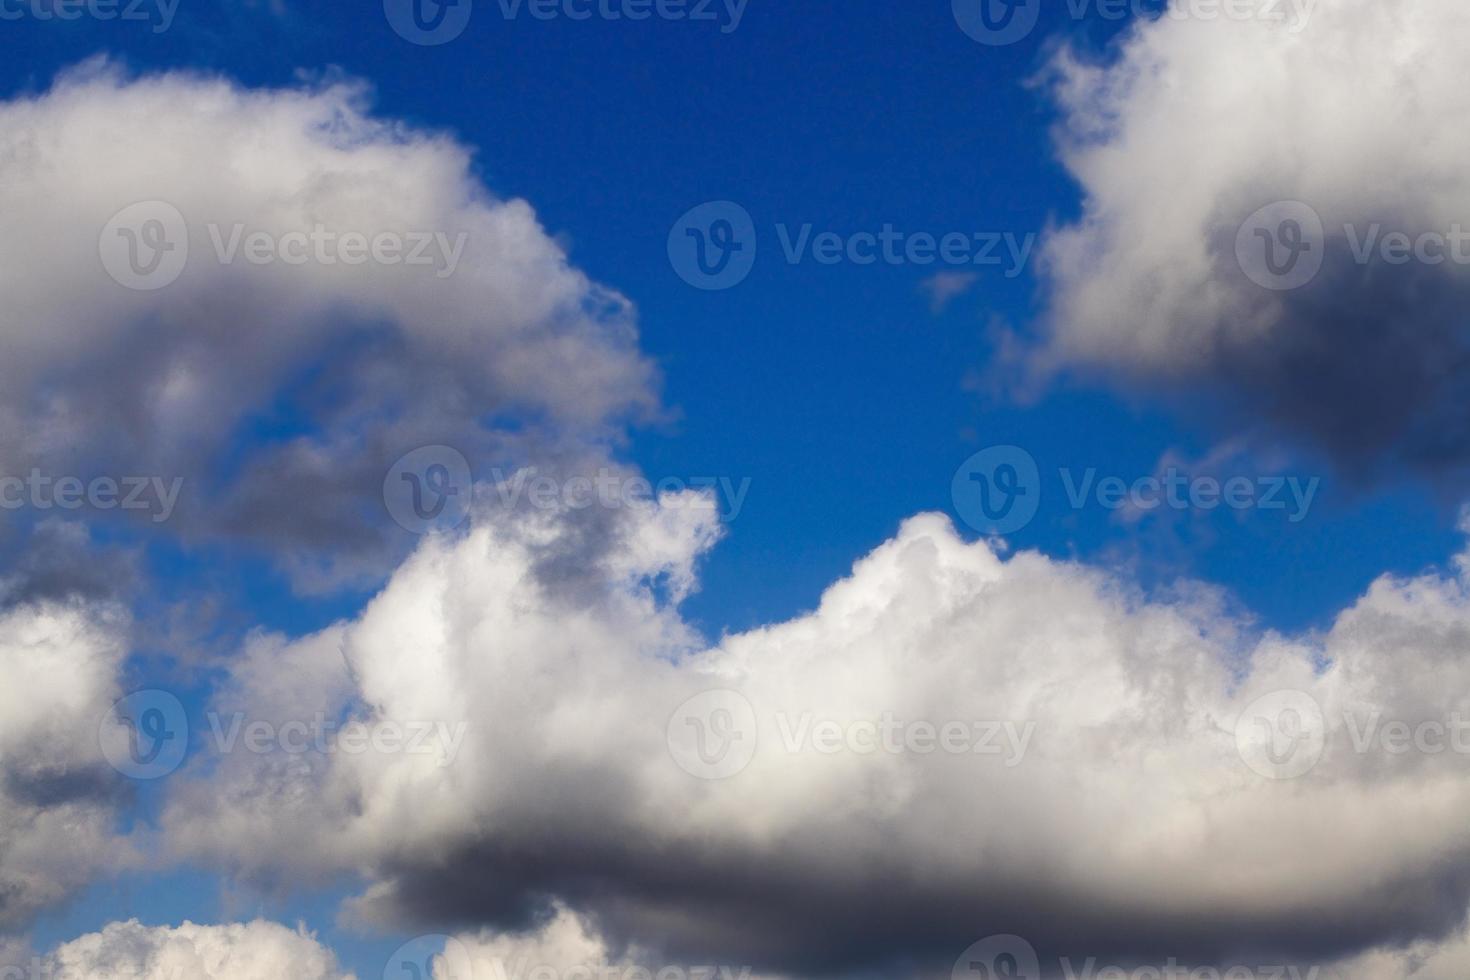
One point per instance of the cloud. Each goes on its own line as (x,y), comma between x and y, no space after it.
(58,798)
(1175,147)
(249,951)
(1099,802)
(942,288)
(281,385)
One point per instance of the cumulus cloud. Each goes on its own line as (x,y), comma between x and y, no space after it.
(58,797)
(248,951)
(1194,124)
(1098,801)
(281,381)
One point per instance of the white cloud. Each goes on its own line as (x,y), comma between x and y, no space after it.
(1126,822)
(1194,124)
(358,362)
(249,951)
(58,799)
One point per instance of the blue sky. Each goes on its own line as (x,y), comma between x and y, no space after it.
(844,395)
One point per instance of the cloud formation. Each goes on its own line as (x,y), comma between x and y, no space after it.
(288,365)
(1192,126)
(1096,799)
(58,797)
(247,951)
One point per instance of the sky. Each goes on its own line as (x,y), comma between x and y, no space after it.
(1084,374)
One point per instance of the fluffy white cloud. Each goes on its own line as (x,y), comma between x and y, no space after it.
(58,798)
(248,951)
(281,390)
(1111,812)
(1194,124)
